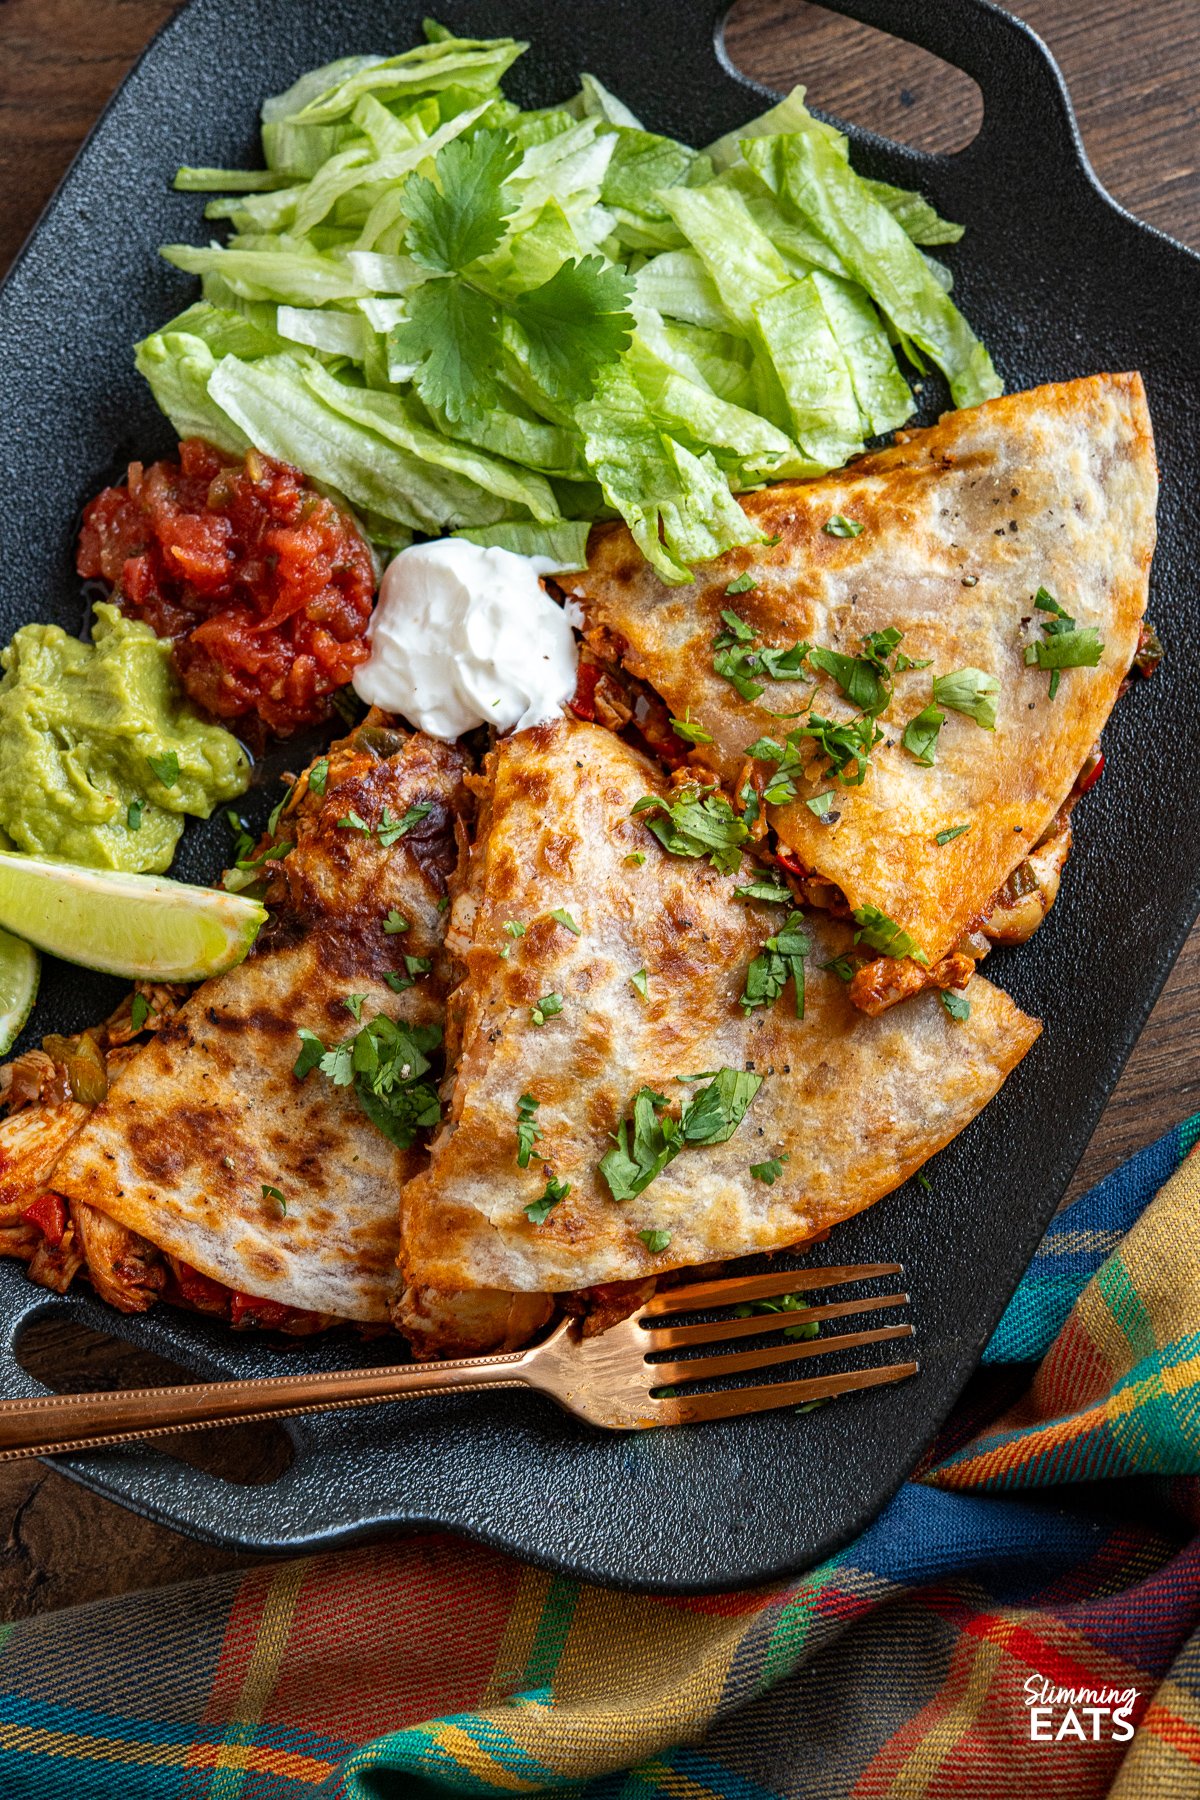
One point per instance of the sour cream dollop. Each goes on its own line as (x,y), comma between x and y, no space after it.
(464,636)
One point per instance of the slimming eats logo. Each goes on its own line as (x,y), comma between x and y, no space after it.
(1092,1715)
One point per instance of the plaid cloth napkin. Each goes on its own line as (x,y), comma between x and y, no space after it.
(1022,1620)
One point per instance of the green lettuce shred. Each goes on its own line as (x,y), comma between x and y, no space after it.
(773,300)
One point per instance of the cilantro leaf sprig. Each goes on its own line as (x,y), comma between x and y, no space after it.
(655,1137)
(460,325)
(462,216)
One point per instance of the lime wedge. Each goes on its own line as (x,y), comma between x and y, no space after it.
(142,926)
(20,970)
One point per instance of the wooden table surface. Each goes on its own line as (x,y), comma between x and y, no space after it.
(1131,70)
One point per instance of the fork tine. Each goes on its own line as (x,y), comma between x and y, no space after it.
(719,1331)
(704,1368)
(735,1290)
(693,1409)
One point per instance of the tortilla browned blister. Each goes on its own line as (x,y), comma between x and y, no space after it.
(854,1104)
(960,526)
(209,1116)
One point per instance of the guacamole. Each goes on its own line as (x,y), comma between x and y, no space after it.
(100,755)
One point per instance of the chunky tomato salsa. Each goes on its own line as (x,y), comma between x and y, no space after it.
(264,586)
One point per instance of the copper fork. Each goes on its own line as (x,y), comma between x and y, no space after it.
(606,1379)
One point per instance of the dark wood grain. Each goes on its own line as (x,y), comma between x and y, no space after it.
(1131,70)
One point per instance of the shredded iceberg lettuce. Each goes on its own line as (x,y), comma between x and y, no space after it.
(461,316)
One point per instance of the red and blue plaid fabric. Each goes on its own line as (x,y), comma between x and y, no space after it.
(1023,1619)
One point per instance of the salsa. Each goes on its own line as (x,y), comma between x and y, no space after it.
(263,585)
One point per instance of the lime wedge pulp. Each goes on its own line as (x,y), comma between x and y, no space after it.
(20,971)
(141,926)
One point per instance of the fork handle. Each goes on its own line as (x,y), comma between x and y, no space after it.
(52,1423)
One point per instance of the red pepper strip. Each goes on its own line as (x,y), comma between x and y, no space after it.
(787,859)
(201,1290)
(49,1214)
(270,1315)
(584,703)
(1093,775)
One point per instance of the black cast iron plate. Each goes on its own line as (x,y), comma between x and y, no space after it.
(1060,282)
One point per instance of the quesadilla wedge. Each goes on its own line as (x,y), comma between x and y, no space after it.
(599,1035)
(916,662)
(251,1183)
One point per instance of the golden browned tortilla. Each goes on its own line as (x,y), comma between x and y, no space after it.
(961,525)
(209,1114)
(854,1104)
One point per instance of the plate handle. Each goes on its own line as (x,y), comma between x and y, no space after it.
(1028,122)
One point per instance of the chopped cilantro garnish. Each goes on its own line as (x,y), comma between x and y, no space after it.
(528,1130)
(856,676)
(443,904)
(639,983)
(845,967)
(248,868)
(690,732)
(311,1051)
(738,663)
(922,1180)
(387,1064)
(771,1170)
(277,811)
(390,829)
(711,1116)
(538,1211)
(781,957)
(655,1241)
(139,1011)
(636,858)
(398,983)
(273,1193)
(820,804)
(763,888)
(395,922)
(562,917)
(737,628)
(775,538)
(744,584)
(353,1004)
(318,775)
(243,843)
(957,1005)
(950,833)
(880,933)
(513,928)
(697,822)
(133,814)
(969,691)
(847,746)
(352,822)
(165,768)
(921,735)
(1065,645)
(548,1007)
(840,526)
